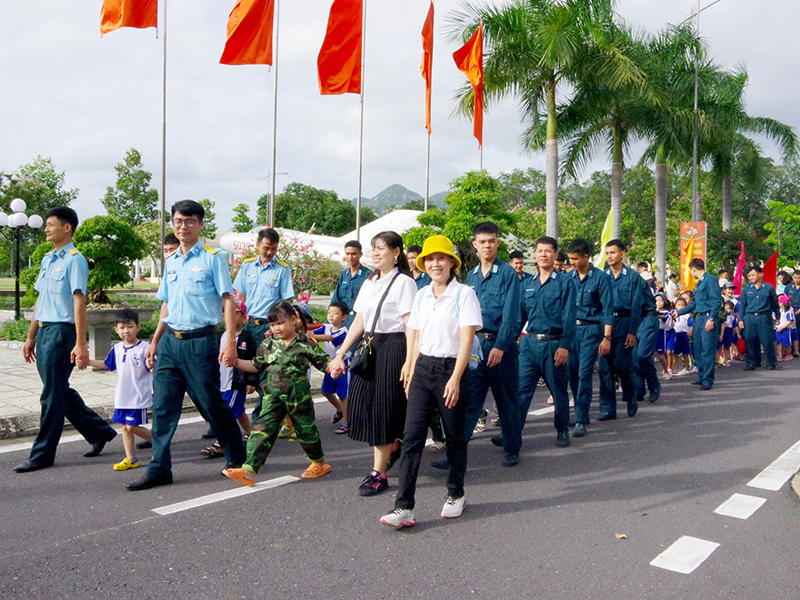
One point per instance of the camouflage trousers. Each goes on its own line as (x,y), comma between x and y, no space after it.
(292,398)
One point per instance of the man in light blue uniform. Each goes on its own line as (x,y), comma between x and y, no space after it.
(758,306)
(195,289)
(351,279)
(57,339)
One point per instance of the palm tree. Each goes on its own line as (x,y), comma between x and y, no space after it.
(532,48)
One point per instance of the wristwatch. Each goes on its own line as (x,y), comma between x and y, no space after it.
(606,337)
(339,352)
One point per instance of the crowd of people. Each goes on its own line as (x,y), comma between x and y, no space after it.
(407,348)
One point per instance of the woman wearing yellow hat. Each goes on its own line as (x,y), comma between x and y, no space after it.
(441,329)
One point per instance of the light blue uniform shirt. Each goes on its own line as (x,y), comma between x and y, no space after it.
(60,275)
(193,288)
(264,285)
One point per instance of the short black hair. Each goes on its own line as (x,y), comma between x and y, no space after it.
(65,216)
(561,257)
(170,240)
(697,263)
(671,276)
(342,306)
(725,271)
(354,244)
(644,264)
(280,311)
(126,315)
(579,246)
(415,248)
(270,234)
(618,243)
(188,208)
(516,254)
(485,227)
(755,268)
(795,272)
(552,242)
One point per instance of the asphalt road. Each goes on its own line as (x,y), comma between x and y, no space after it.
(545,529)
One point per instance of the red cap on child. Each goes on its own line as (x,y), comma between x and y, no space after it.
(242,308)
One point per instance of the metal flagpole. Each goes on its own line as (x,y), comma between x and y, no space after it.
(271,215)
(162,211)
(428,174)
(695,195)
(361,133)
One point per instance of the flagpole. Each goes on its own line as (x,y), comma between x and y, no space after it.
(162,211)
(271,216)
(361,133)
(428,174)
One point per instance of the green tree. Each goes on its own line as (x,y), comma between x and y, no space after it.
(132,199)
(784,232)
(150,232)
(242,223)
(303,207)
(209,231)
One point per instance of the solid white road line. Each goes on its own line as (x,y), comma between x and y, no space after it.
(542,411)
(220,496)
(779,472)
(685,555)
(740,506)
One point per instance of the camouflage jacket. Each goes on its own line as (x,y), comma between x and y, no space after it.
(287,364)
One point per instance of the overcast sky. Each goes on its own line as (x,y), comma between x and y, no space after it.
(82,100)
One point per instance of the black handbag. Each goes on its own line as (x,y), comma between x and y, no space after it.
(363,362)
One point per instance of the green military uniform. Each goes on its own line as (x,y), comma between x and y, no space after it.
(286,391)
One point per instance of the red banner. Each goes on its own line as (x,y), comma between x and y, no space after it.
(693,245)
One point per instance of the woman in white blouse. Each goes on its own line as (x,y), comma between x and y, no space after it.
(441,330)
(377,404)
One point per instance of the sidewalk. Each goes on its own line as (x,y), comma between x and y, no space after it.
(20,388)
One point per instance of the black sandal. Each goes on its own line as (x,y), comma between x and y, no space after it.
(213,451)
(337,417)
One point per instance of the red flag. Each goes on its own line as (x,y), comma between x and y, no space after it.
(339,60)
(249,33)
(427,64)
(469,60)
(771,270)
(737,277)
(128,13)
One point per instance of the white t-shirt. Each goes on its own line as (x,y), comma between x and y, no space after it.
(134,379)
(397,303)
(438,322)
(338,338)
(683,323)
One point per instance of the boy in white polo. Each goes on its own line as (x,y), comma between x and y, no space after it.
(134,394)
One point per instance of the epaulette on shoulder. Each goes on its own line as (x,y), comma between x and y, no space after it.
(281,262)
(48,253)
(73,251)
(251,259)
(210,249)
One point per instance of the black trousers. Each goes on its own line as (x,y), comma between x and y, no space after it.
(424,397)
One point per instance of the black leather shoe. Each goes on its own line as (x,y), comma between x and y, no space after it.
(209,435)
(443,464)
(705,386)
(149,481)
(749,368)
(579,430)
(511,460)
(606,417)
(633,407)
(143,445)
(654,395)
(28,465)
(97,447)
(562,439)
(497,440)
(773,367)
(698,382)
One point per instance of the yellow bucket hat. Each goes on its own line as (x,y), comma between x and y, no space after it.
(434,244)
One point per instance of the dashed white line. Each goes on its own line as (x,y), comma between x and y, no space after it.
(740,506)
(779,472)
(542,411)
(685,555)
(220,496)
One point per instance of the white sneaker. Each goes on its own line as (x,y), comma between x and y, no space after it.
(399,517)
(453,507)
(694,370)
(682,372)
(666,376)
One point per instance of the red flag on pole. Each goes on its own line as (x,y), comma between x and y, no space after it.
(427,64)
(771,270)
(128,13)
(469,60)
(737,277)
(339,60)
(249,33)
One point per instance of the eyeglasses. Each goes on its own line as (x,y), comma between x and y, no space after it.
(177,223)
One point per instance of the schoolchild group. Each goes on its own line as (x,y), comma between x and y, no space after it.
(407,348)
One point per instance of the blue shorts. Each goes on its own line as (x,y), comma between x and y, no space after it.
(130,416)
(666,341)
(235,401)
(793,333)
(682,344)
(727,338)
(336,386)
(784,338)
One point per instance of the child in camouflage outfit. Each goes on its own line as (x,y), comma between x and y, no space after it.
(285,356)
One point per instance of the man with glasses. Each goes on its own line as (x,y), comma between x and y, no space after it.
(194,291)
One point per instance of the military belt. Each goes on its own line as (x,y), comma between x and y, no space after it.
(192,333)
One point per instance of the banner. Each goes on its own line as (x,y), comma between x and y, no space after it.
(469,60)
(427,64)
(250,26)
(128,13)
(339,60)
(693,245)
(608,229)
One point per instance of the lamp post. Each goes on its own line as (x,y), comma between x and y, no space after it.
(16,222)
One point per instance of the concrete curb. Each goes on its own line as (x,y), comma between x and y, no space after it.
(796,483)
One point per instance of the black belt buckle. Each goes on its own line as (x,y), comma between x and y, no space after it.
(544,337)
(258,322)
(586,322)
(622,313)
(486,335)
(703,314)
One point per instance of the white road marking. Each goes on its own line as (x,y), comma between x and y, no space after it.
(740,506)
(220,496)
(542,411)
(779,472)
(685,555)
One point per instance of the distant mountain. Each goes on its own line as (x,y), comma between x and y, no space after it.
(398,196)
(437,200)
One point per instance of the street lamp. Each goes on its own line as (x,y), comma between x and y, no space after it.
(16,222)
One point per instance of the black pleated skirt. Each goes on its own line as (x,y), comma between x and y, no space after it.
(376,407)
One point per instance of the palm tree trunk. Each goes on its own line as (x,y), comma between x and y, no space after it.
(661,216)
(727,203)
(616,183)
(551,163)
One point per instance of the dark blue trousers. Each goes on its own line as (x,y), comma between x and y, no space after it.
(759,331)
(582,359)
(619,362)
(705,348)
(644,369)
(502,380)
(54,343)
(190,365)
(537,359)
